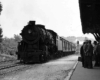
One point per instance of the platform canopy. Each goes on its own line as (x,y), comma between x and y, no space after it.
(90,17)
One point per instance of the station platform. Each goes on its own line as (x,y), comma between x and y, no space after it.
(81,73)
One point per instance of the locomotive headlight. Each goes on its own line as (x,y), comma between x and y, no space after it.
(29,31)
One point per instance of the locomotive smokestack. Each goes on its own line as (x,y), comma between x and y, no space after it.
(31,23)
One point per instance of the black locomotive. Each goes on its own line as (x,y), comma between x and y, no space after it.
(39,44)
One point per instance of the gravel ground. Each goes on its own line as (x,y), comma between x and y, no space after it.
(54,70)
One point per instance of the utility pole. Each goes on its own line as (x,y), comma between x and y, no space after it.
(77,48)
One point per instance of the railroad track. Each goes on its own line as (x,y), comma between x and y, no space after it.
(14,67)
(8,65)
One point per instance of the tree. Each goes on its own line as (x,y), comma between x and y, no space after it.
(1,35)
(0,25)
(0,28)
(0,7)
(9,46)
(17,38)
(1,39)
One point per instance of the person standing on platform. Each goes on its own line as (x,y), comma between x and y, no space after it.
(88,54)
(82,54)
(85,51)
(97,53)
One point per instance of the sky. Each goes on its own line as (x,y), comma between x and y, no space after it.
(62,16)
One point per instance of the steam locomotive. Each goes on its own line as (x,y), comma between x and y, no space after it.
(39,44)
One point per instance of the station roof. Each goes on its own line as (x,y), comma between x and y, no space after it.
(90,15)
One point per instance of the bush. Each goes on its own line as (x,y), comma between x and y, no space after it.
(9,46)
